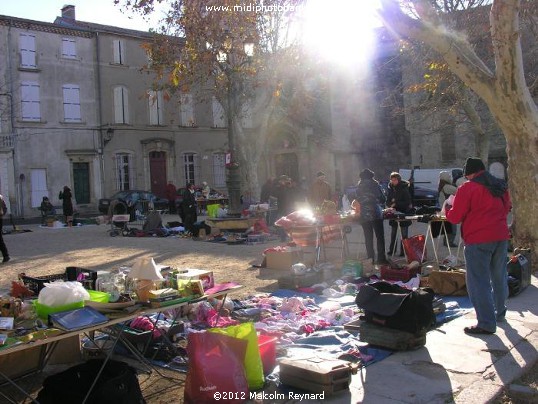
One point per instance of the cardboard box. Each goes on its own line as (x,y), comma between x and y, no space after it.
(283,260)
(208,281)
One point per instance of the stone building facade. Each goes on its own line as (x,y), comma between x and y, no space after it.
(76,109)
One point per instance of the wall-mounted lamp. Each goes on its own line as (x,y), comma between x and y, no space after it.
(108,135)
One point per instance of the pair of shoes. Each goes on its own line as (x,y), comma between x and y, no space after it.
(6,259)
(453,245)
(402,254)
(476,330)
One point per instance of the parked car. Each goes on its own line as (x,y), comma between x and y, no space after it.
(423,196)
(131,198)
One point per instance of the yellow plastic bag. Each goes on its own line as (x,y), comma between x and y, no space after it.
(253,362)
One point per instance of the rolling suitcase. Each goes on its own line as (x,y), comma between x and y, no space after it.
(390,338)
(316,375)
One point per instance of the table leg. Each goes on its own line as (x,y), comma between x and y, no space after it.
(10,381)
(446,239)
(399,240)
(318,245)
(429,236)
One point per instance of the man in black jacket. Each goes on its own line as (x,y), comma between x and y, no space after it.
(3,248)
(189,208)
(371,200)
(399,198)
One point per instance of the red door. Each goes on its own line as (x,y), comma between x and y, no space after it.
(157,169)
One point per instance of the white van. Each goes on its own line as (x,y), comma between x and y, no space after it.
(428,177)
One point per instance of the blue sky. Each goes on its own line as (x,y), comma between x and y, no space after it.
(98,11)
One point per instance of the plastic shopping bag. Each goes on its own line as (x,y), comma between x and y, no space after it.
(215,366)
(253,362)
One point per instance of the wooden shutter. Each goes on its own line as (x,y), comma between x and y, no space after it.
(71,103)
(27,48)
(31,109)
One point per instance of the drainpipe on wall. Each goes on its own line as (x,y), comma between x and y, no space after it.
(19,211)
(100,121)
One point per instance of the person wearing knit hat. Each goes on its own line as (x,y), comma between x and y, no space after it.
(371,199)
(366,174)
(320,191)
(482,205)
(472,166)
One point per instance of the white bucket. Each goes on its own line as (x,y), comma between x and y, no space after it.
(98,348)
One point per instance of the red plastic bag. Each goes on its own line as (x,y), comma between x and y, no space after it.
(414,247)
(215,366)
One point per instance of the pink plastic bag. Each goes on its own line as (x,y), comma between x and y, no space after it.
(215,366)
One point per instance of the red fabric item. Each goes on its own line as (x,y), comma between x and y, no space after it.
(414,246)
(260,226)
(482,215)
(145,324)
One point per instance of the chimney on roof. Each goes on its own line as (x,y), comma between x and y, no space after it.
(68,11)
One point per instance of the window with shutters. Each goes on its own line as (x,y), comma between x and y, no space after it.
(219,170)
(69,48)
(186,109)
(71,94)
(119,51)
(27,49)
(30,101)
(155,99)
(121,105)
(124,172)
(191,167)
(219,118)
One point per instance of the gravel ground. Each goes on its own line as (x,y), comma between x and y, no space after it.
(46,251)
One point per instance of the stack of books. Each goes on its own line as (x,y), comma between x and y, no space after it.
(163,297)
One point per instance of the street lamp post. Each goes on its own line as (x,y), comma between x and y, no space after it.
(233,180)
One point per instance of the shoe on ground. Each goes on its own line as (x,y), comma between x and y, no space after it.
(475,330)
(6,259)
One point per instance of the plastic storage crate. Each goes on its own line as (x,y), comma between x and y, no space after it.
(35,284)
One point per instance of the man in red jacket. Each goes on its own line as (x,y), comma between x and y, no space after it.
(482,205)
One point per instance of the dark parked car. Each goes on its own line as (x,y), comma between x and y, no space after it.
(132,199)
(423,196)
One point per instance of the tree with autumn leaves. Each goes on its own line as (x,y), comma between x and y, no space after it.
(502,86)
(200,47)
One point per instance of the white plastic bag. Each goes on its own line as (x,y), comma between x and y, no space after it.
(61,293)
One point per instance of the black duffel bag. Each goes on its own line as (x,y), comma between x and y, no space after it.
(395,307)
(117,384)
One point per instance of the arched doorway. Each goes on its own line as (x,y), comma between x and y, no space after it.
(157,170)
(286,164)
